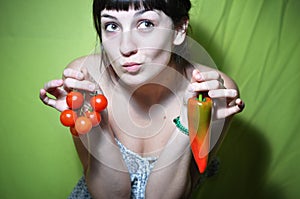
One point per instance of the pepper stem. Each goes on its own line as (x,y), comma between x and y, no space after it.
(200,97)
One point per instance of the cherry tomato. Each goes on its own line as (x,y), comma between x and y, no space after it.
(73,131)
(74,100)
(83,125)
(94,116)
(98,102)
(68,117)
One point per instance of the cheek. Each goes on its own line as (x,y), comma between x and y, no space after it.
(157,56)
(111,49)
(162,57)
(157,47)
(160,39)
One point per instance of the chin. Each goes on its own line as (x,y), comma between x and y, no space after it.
(133,80)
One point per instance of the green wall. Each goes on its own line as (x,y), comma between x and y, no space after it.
(38,39)
(256,42)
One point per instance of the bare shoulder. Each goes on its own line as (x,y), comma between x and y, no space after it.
(85,62)
(88,65)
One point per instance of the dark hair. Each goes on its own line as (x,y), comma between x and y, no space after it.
(177,10)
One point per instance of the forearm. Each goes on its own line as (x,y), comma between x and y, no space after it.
(82,152)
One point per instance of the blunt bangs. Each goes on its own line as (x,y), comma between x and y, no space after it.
(175,9)
(124,5)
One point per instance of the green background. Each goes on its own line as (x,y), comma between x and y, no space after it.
(256,42)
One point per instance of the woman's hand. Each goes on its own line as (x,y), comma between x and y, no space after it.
(226,101)
(72,79)
(54,88)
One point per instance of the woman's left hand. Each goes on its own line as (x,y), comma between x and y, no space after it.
(226,101)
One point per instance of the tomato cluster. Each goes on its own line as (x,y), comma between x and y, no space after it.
(79,119)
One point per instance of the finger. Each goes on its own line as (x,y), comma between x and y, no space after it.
(59,92)
(71,73)
(225,112)
(45,99)
(237,108)
(206,86)
(240,104)
(223,93)
(198,76)
(210,75)
(42,94)
(53,84)
(71,83)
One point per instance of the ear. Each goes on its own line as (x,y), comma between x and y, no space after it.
(180,32)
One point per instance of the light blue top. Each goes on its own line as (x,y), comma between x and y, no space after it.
(139,170)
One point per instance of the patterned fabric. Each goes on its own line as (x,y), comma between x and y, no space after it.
(139,170)
(80,191)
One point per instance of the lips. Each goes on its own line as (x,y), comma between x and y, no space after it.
(132,67)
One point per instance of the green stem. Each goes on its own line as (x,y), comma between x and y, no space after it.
(200,97)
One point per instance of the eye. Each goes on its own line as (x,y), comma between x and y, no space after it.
(111,27)
(145,25)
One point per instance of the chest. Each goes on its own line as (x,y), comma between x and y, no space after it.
(170,177)
(145,132)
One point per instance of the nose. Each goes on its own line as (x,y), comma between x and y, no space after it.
(128,46)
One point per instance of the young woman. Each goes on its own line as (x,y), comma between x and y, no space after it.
(138,151)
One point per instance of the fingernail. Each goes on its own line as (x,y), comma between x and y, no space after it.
(198,77)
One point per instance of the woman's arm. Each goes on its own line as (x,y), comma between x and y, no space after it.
(225,101)
(75,76)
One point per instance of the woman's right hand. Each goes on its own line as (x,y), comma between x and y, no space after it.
(72,79)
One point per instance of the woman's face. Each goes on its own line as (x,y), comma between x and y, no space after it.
(138,43)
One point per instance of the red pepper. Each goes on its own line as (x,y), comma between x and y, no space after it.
(199,117)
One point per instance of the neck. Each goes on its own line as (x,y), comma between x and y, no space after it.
(150,104)
(163,87)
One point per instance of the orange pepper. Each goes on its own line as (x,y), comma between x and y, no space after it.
(199,118)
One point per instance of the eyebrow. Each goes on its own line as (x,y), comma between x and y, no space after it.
(135,15)
(108,16)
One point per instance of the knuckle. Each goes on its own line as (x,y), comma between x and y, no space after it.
(69,83)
